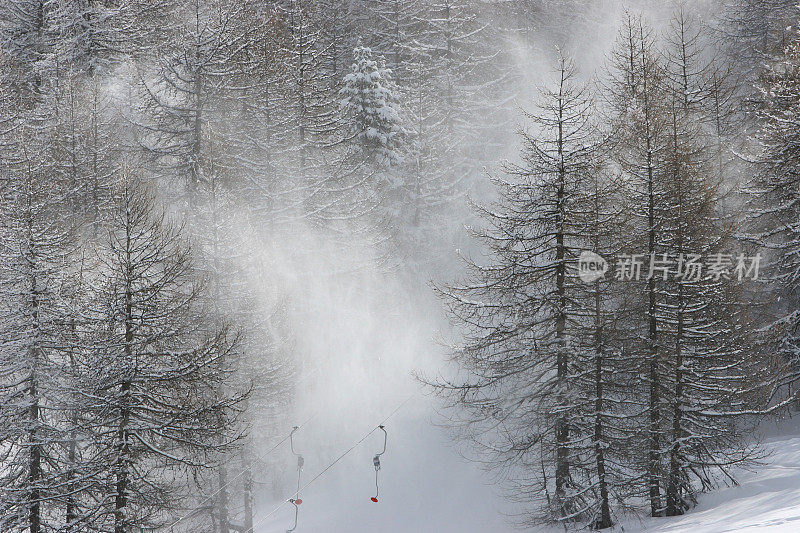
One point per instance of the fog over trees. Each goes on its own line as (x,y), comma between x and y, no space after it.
(601,199)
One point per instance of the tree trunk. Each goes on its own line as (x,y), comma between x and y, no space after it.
(248,490)
(605,512)
(195,173)
(122,445)
(675,505)
(653,382)
(223,500)
(35,457)
(120,466)
(561,424)
(71,512)
(654,490)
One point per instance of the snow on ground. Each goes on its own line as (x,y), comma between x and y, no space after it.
(766,500)
(426,488)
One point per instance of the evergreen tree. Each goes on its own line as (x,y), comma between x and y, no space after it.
(636,99)
(36,244)
(605,378)
(190,92)
(521,311)
(753,30)
(693,360)
(368,102)
(155,373)
(24,38)
(772,210)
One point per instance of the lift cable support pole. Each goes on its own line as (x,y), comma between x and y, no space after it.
(300,463)
(335,461)
(259,458)
(296,510)
(376,462)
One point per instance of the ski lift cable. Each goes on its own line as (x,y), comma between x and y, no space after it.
(324,470)
(259,457)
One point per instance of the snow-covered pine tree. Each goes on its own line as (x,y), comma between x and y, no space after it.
(754,30)
(264,142)
(772,209)
(220,113)
(289,119)
(289,116)
(374,138)
(373,115)
(604,377)
(265,368)
(25,41)
(155,379)
(339,22)
(83,154)
(222,232)
(36,239)
(93,37)
(212,227)
(520,316)
(304,53)
(469,75)
(190,90)
(84,36)
(598,372)
(397,30)
(701,317)
(705,84)
(636,102)
(394,30)
(74,460)
(456,85)
(693,362)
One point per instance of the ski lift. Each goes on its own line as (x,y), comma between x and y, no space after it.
(376,462)
(300,462)
(295,503)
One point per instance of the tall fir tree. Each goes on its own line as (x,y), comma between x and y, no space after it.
(636,100)
(155,378)
(521,312)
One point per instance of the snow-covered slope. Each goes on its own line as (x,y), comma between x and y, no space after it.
(767,500)
(438,493)
(425,488)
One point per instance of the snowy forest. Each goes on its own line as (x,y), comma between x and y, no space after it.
(428,265)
